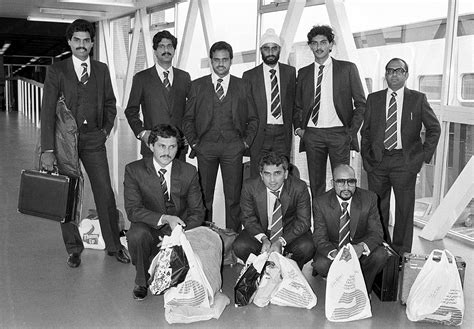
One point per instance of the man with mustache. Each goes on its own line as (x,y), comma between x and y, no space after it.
(87,89)
(220,124)
(348,214)
(330,105)
(273,90)
(160,92)
(160,192)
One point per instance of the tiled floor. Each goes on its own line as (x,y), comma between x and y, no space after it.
(38,289)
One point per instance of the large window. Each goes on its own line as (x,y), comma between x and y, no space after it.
(431,86)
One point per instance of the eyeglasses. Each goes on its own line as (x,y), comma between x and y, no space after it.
(163,47)
(398,71)
(351,182)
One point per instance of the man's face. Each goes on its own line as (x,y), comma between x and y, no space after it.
(221,62)
(270,53)
(396,75)
(164,150)
(81,45)
(321,47)
(344,183)
(164,52)
(273,176)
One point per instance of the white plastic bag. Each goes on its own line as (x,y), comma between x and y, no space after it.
(91,235)
(437,295)
(249,278)
(269,281)
(346,293)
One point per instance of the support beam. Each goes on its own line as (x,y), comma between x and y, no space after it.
(206,21)
(290,26)
(147,38)
(132,58)
(190,25)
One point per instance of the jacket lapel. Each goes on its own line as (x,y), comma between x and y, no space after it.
(356,206)
(261,201)
(158,83)
(285,197)
(176,184)
(262,101)
(283,83)
(71,81)
(380,115)
(154,181)
(407,100)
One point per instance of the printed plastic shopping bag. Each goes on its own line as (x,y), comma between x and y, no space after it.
(437,295)
(247,283)
(269,281)
(346,293)
(91,235)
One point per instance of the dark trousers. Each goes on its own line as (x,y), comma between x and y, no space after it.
(93,156)
(370,265)
(301,250)
(228,155)
(142,244)
(390,173)
(319,143)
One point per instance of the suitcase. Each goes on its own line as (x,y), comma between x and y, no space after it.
(386,282)
(47,195)
(411,266)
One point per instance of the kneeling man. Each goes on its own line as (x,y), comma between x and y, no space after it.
(276,213)
(160,192)
(347,214)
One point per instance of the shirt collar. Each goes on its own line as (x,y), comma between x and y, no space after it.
(158,167)
(77,62)
(225,80)
(399,91)
(279,190)
(327,63)
(267,68)
(161,70)
(341,201)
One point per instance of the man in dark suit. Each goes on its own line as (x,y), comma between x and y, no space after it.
(220,124)
(393,151)
(88,93)
(347,214)
(161,92)
(160,192)
(330,105)
(276,213)
(273,90)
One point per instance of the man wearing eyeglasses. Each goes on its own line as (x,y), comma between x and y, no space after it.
(393,151)
(348,214)
(160,91)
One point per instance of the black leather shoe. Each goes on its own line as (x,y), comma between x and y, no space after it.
(140,292)
(74,260)
(314,273)
(121,255)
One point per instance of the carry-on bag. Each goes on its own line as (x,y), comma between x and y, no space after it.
(386,282)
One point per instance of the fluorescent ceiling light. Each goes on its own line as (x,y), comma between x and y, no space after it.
(6,45)
(72,12)
(56,19)
(117,3)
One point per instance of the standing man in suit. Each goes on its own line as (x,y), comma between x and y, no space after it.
(220,124)
(161,92)
(88,93)
(330,105)
(160,192)
(276,213)
(347,214)
(393,151)
(273,90)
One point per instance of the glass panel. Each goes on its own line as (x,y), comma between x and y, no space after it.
(431,86)
(121,38)
(467,87)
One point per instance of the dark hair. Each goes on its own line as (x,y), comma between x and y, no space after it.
(80,25)
(273,158)
(221,45)
(397,59)
(325,30)
(164,35)
(164,131)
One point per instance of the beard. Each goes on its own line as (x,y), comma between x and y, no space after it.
(271,59)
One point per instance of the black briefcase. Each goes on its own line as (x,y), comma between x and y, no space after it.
(386,282)
(48,195)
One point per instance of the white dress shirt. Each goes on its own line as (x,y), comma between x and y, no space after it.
(225,82)
(78,66)
(271,120)
(161,73)
(399,98)
(167,177)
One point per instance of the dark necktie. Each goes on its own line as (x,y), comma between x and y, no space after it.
(317,96)
(166,81)
(344,228)
(275,93)
(390,140)
(164,187)
(277,227)
(84,74)
(219,89)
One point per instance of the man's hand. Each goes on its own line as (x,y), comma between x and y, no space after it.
(48,161)
(145,137)
(359,249)
(276,247)
(266,244)
(172,221)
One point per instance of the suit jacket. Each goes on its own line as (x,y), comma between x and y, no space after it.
(295,205)
(287,85)
(199,109)
(416,111)
(62,79)
(158,105)
(348,98)
(144,201)
(365,225)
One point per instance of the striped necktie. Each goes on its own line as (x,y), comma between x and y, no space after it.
(277,227)
(219,89)
(84,74)
(275,94)
(164,187)
(317,96)
(344,228)
(390,140)
(166,81)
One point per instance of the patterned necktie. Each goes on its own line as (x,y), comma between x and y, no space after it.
(275,93)
(344,228)
(164,187)
(166,81)
(277,226)
(84,75)
(317,96)
(219,89)
(390,141)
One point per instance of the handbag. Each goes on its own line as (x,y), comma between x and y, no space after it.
(248,280)
(228,236)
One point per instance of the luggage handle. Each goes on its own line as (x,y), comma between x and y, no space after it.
(54,172)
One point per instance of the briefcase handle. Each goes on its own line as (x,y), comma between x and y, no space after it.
(54,172)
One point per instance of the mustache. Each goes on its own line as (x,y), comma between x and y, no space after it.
(79,48)
(167,53)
